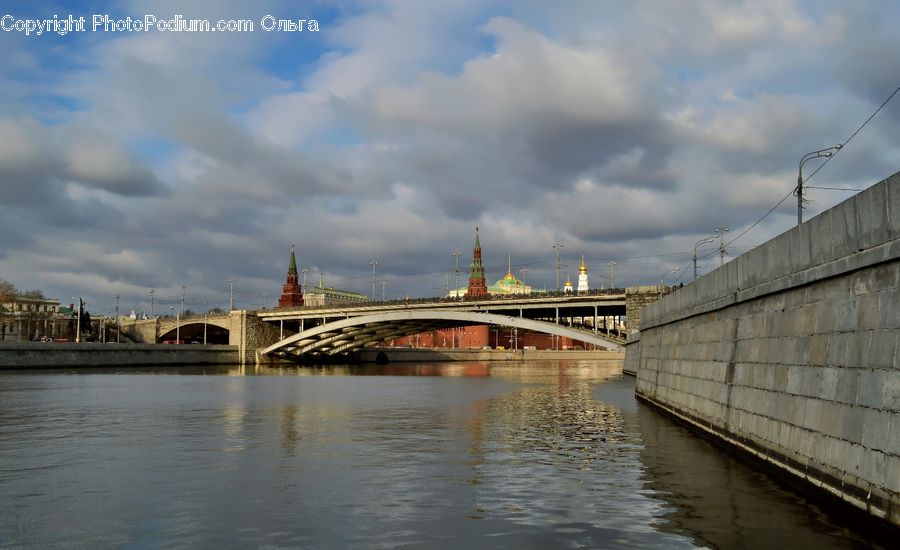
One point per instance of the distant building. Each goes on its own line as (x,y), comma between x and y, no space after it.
(582,276)
(31,318)
(509,284)
(481,336)
(567,286)
(292,291)
(324,296)
(477,286)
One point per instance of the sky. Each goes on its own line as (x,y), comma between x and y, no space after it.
(628,131)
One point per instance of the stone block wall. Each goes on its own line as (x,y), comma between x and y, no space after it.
(636,298)
(632,360)
(790,351)
(251,334)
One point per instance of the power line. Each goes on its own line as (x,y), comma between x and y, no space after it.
(827,160)
(853,135)
(764,216)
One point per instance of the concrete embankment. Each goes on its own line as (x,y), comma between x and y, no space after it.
(632,361)
(40,354)
(790,352)
(398,355)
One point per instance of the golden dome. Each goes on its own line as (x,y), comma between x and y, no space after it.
(582,269)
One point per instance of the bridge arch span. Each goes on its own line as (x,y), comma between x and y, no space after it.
(217,332)
(353,333)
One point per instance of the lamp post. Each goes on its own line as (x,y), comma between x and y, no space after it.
(78,320)
(117,318)
(798,191)
(662,278)
(373,263)
(701,241)
(557,246)
(720,232)
(205,319)
(183,289)
(152,292)
(231,295)
(456,255)
(177,324)
(524,272)
(612,274)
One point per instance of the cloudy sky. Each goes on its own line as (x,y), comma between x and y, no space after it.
(626,130)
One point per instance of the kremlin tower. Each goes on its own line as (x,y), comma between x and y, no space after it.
(292,294)
(582,276)
(477,286)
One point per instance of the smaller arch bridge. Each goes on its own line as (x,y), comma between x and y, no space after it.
(347,335)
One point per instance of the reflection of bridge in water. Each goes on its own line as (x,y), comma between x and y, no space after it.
(344,329)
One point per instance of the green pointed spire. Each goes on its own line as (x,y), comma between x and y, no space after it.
(477,242)
(292,267)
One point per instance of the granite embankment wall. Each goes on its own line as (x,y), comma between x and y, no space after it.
(790,352)
(88,354)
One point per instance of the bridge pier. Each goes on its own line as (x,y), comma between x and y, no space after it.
(251,334)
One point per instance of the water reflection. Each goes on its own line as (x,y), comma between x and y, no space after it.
(723,503)
(476,455)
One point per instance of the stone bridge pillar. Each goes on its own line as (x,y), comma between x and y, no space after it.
(637,297)
(250,334)
(144,331)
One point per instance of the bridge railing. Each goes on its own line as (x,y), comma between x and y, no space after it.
(451,300)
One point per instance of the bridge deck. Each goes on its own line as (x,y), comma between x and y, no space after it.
(576,305)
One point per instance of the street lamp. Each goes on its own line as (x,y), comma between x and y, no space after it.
(177,324)
(662,277)
(612,275)
(720,232)
(701,241)
(456,255)
(557,246)
(78,321)
(798,191)
(373,263)
(117,318)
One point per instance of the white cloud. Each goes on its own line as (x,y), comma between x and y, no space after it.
(625,129)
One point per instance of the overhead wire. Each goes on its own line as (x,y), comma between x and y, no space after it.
(827,160)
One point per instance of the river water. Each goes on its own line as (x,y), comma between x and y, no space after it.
(448,455)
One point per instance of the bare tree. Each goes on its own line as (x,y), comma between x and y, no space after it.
(8,296)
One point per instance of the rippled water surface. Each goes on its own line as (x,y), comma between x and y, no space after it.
(477,455)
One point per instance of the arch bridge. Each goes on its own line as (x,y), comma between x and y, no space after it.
(337,331)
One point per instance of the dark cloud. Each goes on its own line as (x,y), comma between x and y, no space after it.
(625,131)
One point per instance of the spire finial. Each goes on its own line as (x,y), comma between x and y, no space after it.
(292,266)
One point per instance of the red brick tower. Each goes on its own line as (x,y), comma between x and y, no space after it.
(477,287)
(292,294)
